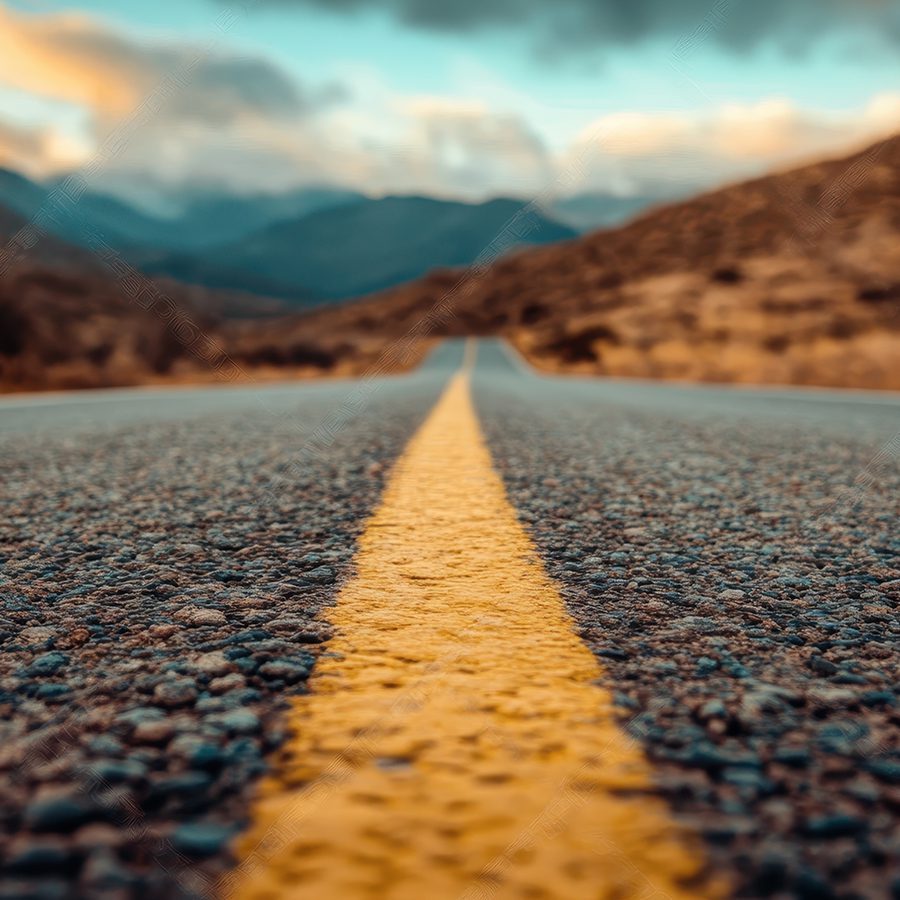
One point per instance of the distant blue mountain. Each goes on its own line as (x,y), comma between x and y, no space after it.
(306,247)
(356,249)
(590,211)
(206,219)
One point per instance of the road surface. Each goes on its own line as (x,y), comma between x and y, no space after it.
(185,713)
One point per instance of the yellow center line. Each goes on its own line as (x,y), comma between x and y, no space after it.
(455,743)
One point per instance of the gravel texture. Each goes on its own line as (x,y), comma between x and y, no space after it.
(163,563)
(749,630)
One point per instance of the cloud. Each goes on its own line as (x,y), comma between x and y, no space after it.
(40,151)
(580,24)
(245,124)
(464,149)
(637,153)
(231,113)
(77,59)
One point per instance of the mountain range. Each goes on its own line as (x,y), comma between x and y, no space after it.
(304,247)
(206,219)
(790,278)
(355,248)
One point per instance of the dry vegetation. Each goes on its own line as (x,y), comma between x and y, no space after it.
(793,278)
(61,329)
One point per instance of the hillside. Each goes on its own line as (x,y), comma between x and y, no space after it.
(50,251)
(67,320)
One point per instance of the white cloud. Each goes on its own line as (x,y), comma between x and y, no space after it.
(40,151)
(460,148)
(646,152)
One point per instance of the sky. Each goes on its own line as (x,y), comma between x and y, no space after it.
(457,98)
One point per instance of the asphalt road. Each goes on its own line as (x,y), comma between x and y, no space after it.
(730,555)
(748,622)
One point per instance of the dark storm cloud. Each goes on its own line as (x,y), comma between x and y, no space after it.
(226,87)
(737,24)
(222,86)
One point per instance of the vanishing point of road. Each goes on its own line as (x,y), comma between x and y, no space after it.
(469,632)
